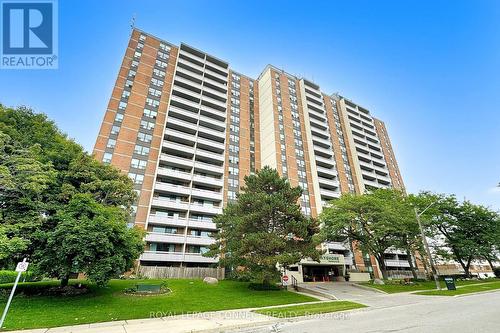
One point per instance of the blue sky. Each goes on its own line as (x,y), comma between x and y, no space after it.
(429,69)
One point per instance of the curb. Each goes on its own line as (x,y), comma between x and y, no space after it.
(270,322)
(478,293)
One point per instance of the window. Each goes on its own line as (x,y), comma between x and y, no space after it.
(161,247)
(111,143)
(164,47)
(161,64)
(137,54)
(144,137)
(159,73)
(138,164)
(137,179)
(132,73)
(234,159)
(107,158)
(122,105)
(150,113)
(115,129)
(154,92)
(162,55)
(233,171)
(119,117)
(125,94)
(147,125)
(157,82)
(141,150)
(152,102)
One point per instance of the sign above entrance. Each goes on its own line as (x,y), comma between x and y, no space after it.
(326,259)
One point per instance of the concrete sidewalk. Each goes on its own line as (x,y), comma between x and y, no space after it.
(198,322)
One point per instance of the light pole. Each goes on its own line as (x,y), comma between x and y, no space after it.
(426,245)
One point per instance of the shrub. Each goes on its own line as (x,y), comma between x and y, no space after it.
(496,270)
(10,276)
(264,287)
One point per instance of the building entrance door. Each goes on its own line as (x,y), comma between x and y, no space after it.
(320,273)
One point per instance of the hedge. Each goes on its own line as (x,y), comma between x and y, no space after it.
(10,276)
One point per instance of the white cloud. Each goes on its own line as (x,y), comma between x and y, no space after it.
(495,189)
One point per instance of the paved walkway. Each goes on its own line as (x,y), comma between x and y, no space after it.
(365,295)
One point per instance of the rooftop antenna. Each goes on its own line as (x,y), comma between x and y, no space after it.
(132,22)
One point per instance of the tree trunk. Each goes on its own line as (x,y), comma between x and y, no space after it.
(466,267)
(490,263)
(381,265)
(64,281)
(410,262)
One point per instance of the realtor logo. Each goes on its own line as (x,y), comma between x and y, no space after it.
(29,34)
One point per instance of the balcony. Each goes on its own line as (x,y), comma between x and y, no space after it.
(181,125)
(186,94)
(191,64)
(176,161)
(219,146)
(198,208)
(187,102)
(212,123)
(326,172)
(329,194)
(174,135)
(202,224)
(314,97)
(188,82)
(165,238)
(322,161)
(177,148)
(214,101)
(325,143)
(212,134)
(162,256)
(323,151)
(396,263)
(189,73)
(171,188)
(209,155)
(213,113)
(197,257)
(215,92)
(209,168)
(191,55)
(372,183)
(323,134)
(204,241)
(215,83)
(182,114)
(206,180)
(329,183)
(206,194)
(170,204)
(215,74)
(319,124)
(175,174)
(158,219)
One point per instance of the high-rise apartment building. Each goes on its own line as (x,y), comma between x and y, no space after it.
(187,129)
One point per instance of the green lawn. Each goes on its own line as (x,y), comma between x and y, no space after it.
(110,303)
(426,285)
(309,309)
(468,289)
